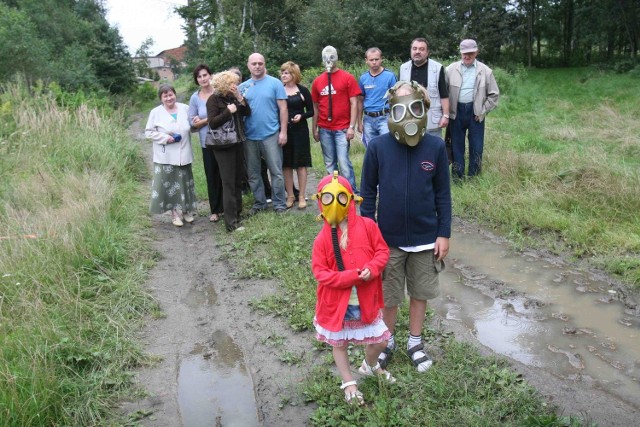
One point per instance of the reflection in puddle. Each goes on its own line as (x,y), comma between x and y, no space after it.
(574,328)
(215,389)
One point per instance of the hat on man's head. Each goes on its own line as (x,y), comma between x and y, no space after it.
(468,45)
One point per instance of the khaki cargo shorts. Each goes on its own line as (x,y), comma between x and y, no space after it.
(419,270)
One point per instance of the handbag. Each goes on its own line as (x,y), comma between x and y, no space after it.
(223,137)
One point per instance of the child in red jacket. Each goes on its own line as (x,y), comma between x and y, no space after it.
(348,258)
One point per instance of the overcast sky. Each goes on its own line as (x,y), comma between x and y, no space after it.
(139,19)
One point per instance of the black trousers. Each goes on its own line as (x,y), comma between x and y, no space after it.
(214,182)
(231,164)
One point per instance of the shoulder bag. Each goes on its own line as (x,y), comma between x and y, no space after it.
(223,137)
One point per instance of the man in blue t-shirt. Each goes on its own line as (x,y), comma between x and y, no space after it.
(266,131)
(372,104)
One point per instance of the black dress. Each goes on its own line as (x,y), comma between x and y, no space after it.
(297,151)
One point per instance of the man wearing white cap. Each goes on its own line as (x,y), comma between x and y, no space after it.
(473,92)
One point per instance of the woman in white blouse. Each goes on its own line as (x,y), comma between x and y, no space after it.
(172,188)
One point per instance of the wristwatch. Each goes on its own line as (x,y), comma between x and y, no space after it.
(352,127)
(446,116)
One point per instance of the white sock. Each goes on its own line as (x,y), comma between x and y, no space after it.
(413,341)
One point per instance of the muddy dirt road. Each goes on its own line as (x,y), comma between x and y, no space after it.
(221,364)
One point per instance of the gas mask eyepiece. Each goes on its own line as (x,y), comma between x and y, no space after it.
(408,112)
(329,57)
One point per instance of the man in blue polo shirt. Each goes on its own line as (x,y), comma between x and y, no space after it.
(372,105)
(266,131)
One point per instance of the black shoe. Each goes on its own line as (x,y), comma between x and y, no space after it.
(280,211)
(254,211)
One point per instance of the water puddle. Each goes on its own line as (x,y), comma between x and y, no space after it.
(215,388)
(202,294)
(542,315)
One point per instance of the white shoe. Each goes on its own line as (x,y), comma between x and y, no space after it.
(188,217)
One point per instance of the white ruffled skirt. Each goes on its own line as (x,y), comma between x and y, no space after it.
(355,332)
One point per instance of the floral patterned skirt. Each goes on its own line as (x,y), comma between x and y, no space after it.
(172,188)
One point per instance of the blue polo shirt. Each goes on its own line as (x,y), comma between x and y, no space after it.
(262,96)
(374,89)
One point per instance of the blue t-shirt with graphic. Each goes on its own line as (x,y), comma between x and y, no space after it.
(374,89)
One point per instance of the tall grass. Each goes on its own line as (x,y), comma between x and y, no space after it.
(561,168)
(72,256)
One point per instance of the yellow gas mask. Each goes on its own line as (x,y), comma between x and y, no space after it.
(334,200)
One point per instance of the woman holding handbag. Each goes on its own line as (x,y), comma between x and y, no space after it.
(225,108)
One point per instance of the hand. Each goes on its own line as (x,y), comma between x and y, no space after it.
(360,127)
(282,139)
(443,122)
(232,108)
(364,275)
(296,118)
(441,248)
(316,135)
(350,134)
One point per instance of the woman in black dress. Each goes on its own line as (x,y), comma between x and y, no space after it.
(296,154)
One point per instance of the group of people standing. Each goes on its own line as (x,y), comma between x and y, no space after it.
(363,264)
(270,119)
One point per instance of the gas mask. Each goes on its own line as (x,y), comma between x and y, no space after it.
(329,57)
(408,112)
(335,199)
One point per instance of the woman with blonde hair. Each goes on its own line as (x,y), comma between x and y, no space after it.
(296,154)
(226,104)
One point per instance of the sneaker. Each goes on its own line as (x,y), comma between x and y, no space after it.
(188,217)
(177,221)
(269,201)
(280,211)
(241,228)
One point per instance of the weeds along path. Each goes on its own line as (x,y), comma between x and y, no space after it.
(205,315)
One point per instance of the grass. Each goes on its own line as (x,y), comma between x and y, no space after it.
(561,169)
(462,389)
(72,254)
(560,173)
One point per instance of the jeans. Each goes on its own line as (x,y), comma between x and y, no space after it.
(335,151)
(465,125)
(271,151)
(435,132)
(372,127)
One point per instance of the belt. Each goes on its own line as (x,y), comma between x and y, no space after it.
(376,113)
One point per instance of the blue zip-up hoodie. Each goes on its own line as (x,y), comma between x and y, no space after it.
(414,188)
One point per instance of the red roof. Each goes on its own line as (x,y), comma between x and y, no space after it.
(177,54)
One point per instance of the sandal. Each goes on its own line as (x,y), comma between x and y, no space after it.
(353,397)
(372,371)
(214,218)
(389,352)
(422,363)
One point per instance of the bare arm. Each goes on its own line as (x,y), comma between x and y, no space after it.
(314,122)
(351,132)
(284,120)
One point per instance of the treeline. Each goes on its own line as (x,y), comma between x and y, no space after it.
(541,33)
(65,41)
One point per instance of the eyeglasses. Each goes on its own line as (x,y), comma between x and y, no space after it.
(399,111)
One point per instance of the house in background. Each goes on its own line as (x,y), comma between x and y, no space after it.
(165,67)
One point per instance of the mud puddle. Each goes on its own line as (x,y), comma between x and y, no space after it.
(215,388)
(543,314)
